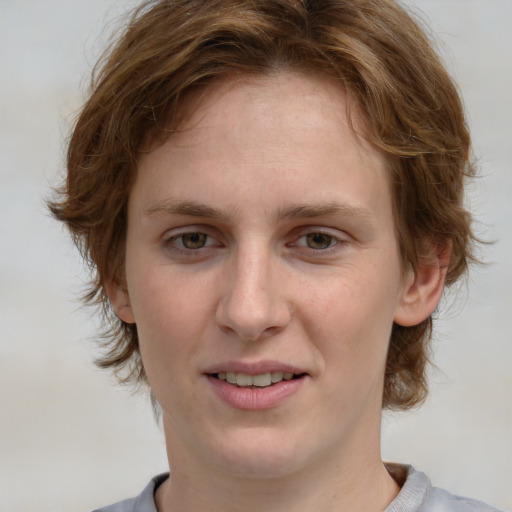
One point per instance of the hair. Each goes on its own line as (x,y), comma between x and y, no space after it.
(379,55)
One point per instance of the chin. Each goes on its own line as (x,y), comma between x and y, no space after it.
(254,454)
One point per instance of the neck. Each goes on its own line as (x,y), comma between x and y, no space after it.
(253,495)
(336,482)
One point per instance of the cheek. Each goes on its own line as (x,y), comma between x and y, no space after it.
(352,344)
(168,317)
(174,311)
(350,318)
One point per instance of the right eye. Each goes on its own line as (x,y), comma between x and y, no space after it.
(193,240)
(190,241)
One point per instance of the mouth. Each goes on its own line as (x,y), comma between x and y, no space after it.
(261,380)
(256,386)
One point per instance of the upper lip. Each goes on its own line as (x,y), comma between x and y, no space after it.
(254,368)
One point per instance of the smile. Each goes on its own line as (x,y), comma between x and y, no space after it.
(256,387)
(261,380)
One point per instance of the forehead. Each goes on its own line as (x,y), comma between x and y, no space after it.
(282,130)
(283,96)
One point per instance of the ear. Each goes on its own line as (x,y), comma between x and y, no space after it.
(120,300)
(423,288)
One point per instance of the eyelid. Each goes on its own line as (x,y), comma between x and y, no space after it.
(338,234)
(190,229)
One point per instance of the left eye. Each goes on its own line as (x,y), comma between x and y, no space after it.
(317,241)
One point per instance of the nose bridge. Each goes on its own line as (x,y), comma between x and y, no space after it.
(252,304)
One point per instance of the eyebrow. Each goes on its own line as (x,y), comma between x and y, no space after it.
(300,211)
(308,211)
(186,208)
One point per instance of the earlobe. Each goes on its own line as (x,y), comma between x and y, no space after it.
(120,300)
(423,289)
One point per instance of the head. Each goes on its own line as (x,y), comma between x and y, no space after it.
(399,98)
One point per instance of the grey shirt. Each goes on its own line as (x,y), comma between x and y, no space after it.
(416,495)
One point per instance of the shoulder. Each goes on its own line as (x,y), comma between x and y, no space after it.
(441,500)
(144,502)
(418,495)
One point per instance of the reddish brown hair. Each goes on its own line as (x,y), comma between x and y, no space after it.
(380,56)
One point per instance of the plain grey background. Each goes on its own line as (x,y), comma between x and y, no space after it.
(69,438)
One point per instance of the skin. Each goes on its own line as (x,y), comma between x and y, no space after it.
(263,231)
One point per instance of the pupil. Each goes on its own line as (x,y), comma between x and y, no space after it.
(319,240)
(194,240)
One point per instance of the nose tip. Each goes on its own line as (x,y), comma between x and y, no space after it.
(251,326)
(252,306)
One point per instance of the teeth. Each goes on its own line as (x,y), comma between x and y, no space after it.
(262,380)
(276,377)
(242,379)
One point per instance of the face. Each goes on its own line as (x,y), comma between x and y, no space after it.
(263,275)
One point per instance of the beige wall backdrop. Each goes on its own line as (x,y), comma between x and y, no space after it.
(69,439)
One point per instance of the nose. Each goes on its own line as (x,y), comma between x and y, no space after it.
(253,305)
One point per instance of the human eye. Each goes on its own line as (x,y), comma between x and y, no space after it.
(190,240)
(319,242)
(189,243)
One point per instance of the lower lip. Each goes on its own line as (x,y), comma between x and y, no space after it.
(255,399)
